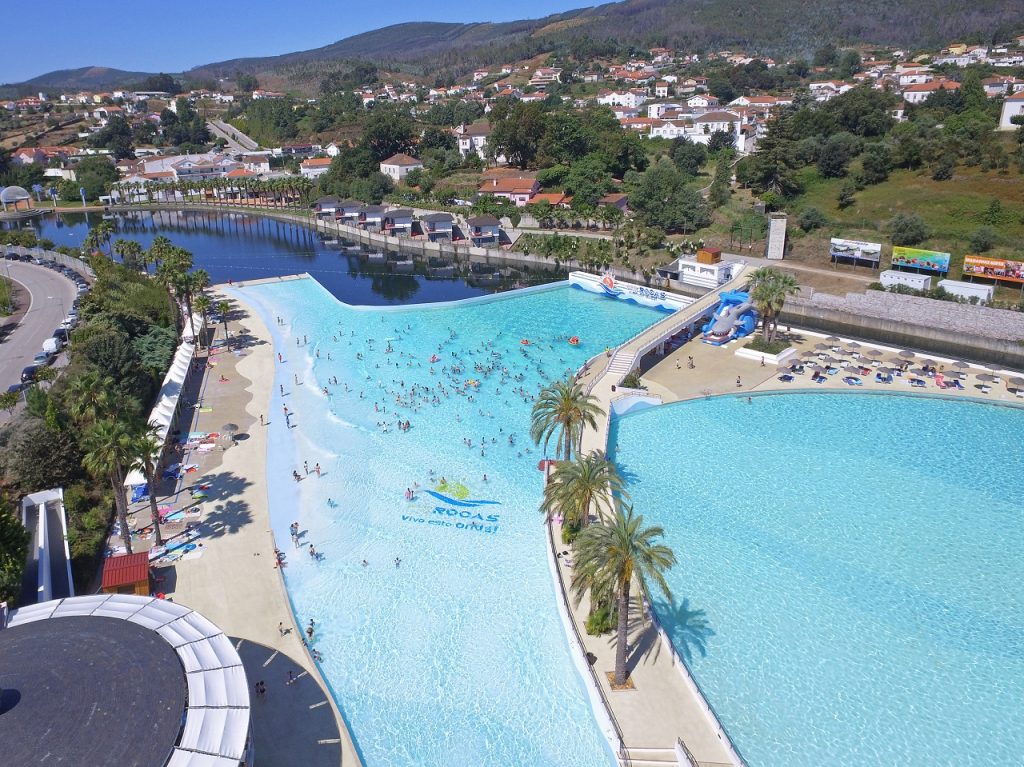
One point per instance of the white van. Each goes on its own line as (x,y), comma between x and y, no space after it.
(51,345)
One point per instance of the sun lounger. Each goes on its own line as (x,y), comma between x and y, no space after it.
(786,378)
(956,385)
(986,389)
(918,383)
(852,381)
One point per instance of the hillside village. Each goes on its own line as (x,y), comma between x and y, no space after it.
(561,141)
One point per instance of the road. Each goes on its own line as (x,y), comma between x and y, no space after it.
(51,296)
(238,142)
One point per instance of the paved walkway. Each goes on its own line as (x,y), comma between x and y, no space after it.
(234,582)
(717,369)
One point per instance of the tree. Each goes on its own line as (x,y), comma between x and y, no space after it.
(836,154)
(516,131)
(116,136)
(907,229)
(563,409)
(720,140)
(99,236)
(9,400)
(609,556)
(846,198)
(146,448)
(576,487)
(202,305)
(663,199)
(688,155)
(721,185)
(811,218)
(223,308)
(983,239)
(875,164)
(246,82)
(110,450)
(769,288)
(389,131)
(130,251)
(90,398)
(14,538)
(94,175)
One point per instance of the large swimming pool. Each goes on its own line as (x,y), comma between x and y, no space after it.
(445,647)
(850,585)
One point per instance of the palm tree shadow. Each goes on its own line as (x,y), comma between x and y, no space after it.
(688,629)
(227,518)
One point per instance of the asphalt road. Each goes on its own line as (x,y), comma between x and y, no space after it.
(51,296)
(240,144)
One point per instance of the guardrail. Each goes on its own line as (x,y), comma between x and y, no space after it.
(51,255)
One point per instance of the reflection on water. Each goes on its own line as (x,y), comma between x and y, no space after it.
(242,246)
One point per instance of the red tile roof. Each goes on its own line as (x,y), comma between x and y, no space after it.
(126,569)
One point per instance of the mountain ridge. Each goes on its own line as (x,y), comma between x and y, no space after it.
(784,27)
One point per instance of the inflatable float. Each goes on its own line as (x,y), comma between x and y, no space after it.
(525,341)
(574,341)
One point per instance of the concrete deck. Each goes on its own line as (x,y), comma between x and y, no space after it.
(235,582)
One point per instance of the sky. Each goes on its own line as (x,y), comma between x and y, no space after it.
(181,34)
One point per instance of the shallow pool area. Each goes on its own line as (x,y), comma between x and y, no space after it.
(850,585)
(436,617)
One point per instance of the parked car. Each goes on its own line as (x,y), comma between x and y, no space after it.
(29,373)
(16,388)
(43,359)
(61,335)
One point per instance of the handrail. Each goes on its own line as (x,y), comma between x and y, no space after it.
(680,746)
(622,755)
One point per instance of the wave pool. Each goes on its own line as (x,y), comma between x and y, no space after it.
(436,617)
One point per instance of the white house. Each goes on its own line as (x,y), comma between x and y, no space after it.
(658,109)
(473,139)
(915,94)
(702,101)
(398,166)
(1012,107)
(630,99)
(315,167)
(256,163)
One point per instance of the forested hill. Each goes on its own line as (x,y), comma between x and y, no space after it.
(782,27)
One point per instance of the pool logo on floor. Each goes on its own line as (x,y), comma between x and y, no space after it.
(459,513)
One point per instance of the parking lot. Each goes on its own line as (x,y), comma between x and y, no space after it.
(49,294)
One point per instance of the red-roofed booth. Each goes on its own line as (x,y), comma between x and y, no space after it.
(127,574)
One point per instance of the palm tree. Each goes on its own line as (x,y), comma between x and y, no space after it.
(224,307)
(130,252)
(575,487)
(609,556)
(563,408)
(769,289)
(99,236)
(159,249)
(202,305)
(109,446)
(146,447)
(90,398)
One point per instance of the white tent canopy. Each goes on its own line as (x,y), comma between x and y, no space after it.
(162,415)
(216,732)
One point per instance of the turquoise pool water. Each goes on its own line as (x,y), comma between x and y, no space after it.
(455,656)
(850,586)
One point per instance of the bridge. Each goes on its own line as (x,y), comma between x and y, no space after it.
(626,358)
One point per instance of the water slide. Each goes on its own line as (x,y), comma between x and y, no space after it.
(735,317)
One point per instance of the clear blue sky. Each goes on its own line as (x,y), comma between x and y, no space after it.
(175,36)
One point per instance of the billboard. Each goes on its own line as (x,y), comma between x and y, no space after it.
(915,258)
(994,269)
(855,250)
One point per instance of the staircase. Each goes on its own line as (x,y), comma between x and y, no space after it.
(651,757)
(621,365)
(776,237)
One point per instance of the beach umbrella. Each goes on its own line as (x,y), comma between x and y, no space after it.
(822,346)
(873,353)
(907,353)
(917,371)
(884,370)
(818,368)
(833,339)
(929,363)
(986,377)
(853,345)
(1016,381)
(960,364)
(808,353)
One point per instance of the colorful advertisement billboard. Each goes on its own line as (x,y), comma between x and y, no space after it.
(994,269)
(915,258)
(855,250)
